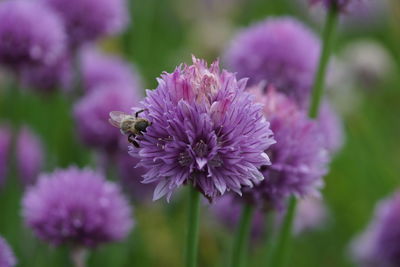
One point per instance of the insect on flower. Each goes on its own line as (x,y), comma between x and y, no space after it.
(129,125)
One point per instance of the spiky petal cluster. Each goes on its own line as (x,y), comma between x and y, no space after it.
(7,258)
(280,51)
(99,70)
(299,158)
(29,154)
(77,206)
(206,131)
(379,245)
(88,20)
(5,146)
(24,39)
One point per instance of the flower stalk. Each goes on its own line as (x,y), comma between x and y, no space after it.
(193,228)
(242,236)
(327,44)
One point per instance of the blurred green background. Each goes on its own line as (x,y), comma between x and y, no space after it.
(164,33)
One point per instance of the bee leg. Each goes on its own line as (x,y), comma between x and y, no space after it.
(138,112)
(132,140)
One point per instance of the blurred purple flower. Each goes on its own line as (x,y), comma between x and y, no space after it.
(7,258)
(29,33)
(92,110)
(5,147)
(280,51)
(206,131)
(29,154)
(88,20)
(131,177)
(99,69)
(379,245)
(299,158)
(48,78)
(77,206)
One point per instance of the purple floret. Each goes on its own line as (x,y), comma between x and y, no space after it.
(77,206)
(30,33)
(206,131)
(280,51)
(89,20)
(299,158)
(7,258)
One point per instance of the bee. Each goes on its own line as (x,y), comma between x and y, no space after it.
(129,125)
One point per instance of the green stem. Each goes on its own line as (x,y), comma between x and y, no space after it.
(281,248)
(319,81)
(79,257)
(193,228)
(242,236)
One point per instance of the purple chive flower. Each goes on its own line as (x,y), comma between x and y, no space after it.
(280,51)
(379,245)
(88,20)
(99,70)
(77,206)
(5,146)
(48,78)
(299,158)
(131,177)
(206,131)
(7,258)
(29,154)
(91,115)
(25,39)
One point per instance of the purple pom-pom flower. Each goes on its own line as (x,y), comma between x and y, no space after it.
(99,69)
(29,154)
(299,158)
(205,131)
(30,33)
(5,147)
(379,245)
(88,20)
(280,51)
(48,78)
(7,258)
(77,206)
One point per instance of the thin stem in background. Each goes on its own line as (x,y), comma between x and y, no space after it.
(79,257)
(193,228)
(282,244)
(242,237)
(327,43)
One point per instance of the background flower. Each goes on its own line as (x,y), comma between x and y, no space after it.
(7,258)
(77,206)
(26,40)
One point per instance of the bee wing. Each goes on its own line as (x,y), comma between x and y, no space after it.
(116,117)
